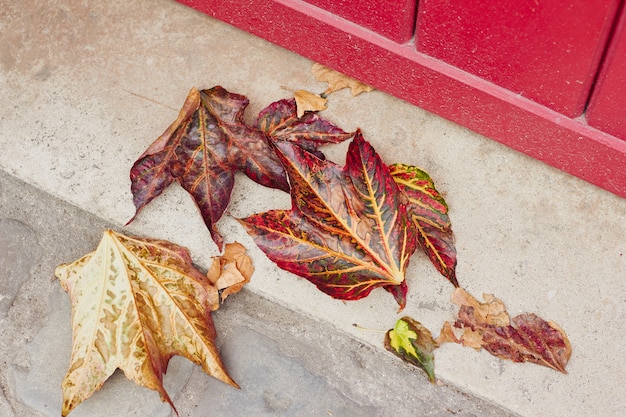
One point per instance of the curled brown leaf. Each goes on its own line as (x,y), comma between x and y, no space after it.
(209,141)
(307,101)
(525,338)
(231,271)
(446,335)
(337,81)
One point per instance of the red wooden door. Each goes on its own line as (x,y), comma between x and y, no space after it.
(545,50)
(607,108)
(394,19)
(517,71)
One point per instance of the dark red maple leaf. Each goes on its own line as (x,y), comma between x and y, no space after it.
(280,121)
(348,231)
(209,141)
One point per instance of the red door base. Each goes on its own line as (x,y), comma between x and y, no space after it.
(565,143)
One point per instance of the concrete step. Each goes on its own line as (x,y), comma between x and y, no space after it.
(286,363)
(87,86)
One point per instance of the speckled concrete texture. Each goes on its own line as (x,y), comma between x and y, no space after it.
(286,363)
(87,86)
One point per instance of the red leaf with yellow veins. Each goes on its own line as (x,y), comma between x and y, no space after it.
(280,121)
(136,303)
(525,338)
(429,213)
(347,231)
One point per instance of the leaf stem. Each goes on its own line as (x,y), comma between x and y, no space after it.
(367,329)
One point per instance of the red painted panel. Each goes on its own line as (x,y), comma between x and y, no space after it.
(394,19)
(607,109)
(545,50)
(566,143)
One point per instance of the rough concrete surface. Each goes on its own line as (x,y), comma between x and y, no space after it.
(87,86)
(287,364)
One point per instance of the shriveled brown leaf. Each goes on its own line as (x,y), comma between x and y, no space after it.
(491,312)
(307,101)
(136,303)
(231,271)
(337,81)
(446,335)
(525,338)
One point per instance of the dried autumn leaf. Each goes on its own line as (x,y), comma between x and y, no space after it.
(136,303)
(203,148)
(525,338)
(446,335)
(159,163)
(429,213)
(280,121)
(337,81)
(307,101)
(492,312)
(413,343)
(231,271)
(347,230)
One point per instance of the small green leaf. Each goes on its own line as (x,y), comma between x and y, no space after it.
(401,337)
(413,343)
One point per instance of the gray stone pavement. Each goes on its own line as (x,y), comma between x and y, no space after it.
(286,364)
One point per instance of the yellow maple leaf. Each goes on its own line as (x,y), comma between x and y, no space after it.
(337,81)
(136,303)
